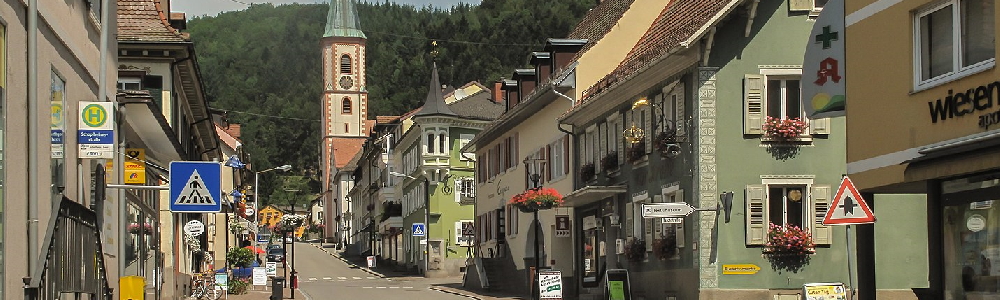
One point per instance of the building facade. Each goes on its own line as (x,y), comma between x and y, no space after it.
(936,139)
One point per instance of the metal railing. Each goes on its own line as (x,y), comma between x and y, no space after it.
(73,258)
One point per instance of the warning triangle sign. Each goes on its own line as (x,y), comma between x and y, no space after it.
(848,207)
(195,192)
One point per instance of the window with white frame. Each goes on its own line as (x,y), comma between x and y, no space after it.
(776,93)
(954,38)
(511,220)
(467,187)
(783,97)
(807,5)
(558,161)
(129,83)
(792,202)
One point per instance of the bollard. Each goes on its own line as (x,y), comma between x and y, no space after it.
(277,288)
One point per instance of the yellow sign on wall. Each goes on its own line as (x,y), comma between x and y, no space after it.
(135,166)
(743,269)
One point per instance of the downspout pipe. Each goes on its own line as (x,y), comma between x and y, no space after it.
(34,157)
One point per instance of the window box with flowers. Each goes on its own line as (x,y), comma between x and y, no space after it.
(788,247)
(536,199)
(665,248)
(610,162)
(635,250)
(636,152)
(782,130)
(136,228)
(666,144)
(290,223)
(587,172)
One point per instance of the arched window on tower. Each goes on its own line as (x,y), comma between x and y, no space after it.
(346,106)
(345,64)
(430,143)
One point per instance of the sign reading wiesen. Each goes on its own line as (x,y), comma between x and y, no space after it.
(96,134)
(194,228)
(666,210)
(550,285)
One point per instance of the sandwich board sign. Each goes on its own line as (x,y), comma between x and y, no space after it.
(195,186)
(848,207)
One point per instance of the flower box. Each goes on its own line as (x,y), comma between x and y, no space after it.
(635,250)
(784,129)
(587,172)
(536,199)
(610,161)
(788,240)
(637,151)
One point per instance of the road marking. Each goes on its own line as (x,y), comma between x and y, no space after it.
(366,287)
(380,287)
(371,277)
(312,278)
(355,278)
(327,278)
(393,287)
(341,278)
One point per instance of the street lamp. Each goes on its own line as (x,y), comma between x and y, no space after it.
(427,217)
(528,161)
(256,196)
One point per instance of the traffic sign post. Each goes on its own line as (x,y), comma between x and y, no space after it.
(667,210)
(419,229)
(195,187)
(848,208)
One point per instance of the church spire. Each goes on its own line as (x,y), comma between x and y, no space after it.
(342,20)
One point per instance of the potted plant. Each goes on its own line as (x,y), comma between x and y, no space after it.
(587,172)
(238,286)
(240,257)
(610,161)
(788,240)
(784,129)
(635,250)
(637,151)
(666,143)
(537,199)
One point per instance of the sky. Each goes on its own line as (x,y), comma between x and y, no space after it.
(195,8)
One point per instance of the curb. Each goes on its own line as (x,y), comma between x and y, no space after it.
(367,270)
(454,293)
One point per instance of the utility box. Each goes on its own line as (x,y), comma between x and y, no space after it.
(132,288)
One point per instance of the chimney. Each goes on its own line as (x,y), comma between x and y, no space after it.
(511,91)
(563,50)
(497,91)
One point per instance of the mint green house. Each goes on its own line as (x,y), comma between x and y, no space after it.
(714,71)
(434,172)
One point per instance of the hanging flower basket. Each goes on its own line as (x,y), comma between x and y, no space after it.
(665,248)
(587,172)
(788,240)
(637,151)
(610,161)
(784,129)
(537,199)
(136,228)
(635,250)
(290,222)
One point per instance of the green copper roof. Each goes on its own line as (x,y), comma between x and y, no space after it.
(342,20)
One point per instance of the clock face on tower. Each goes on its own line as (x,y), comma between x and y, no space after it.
(346,82)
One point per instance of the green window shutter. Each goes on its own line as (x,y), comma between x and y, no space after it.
(800,5)
(822,234)
(756,214)
(819,126)
(753,104)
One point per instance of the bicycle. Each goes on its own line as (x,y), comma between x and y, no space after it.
(205,287)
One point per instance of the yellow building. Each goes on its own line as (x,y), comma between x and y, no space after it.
(270,215)
(922,115)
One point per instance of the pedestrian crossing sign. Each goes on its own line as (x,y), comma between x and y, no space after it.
(195,186)
(419,229)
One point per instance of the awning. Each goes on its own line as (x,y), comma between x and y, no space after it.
(146,121)
(391,222)
(591,194)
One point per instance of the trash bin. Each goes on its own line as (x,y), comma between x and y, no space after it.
(132,287)
(277,288)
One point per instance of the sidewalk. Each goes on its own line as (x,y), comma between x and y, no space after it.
(266,295)
(451,285)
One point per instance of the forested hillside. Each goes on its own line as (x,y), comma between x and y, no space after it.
(263,64)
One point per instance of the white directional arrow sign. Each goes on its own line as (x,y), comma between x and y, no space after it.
(666,210)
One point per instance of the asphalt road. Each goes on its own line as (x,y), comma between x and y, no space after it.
(322,276)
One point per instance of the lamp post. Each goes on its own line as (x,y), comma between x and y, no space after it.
(427,217)
(528,161)
(256,196)
(294,280)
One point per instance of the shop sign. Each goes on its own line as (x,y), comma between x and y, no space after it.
(562,226)
(824,291)
(550,284)
(823,73)
(740,269)
(962,103)
(135,167)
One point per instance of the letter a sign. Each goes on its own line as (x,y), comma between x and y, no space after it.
(848,207)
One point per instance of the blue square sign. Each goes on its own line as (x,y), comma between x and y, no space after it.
(419,229)
(195,186)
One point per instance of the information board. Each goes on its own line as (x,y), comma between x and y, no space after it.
(824,291)
(222,281)
(550,284)
(259,276)
(617,285)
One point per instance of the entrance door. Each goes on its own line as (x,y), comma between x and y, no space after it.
(592,249)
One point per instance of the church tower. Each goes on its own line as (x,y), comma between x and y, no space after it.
(345,99)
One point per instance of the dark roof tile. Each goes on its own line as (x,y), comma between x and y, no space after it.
(145,21)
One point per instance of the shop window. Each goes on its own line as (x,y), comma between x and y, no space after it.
(954,39)
(971,238)
(787,203)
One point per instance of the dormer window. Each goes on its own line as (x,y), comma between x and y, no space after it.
(345,64)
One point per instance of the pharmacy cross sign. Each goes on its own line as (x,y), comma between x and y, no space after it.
(827,37)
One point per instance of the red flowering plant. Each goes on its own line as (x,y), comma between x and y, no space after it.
(784,128)
(537,199)
(788,240)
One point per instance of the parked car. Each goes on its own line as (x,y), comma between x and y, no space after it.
(273,246)
(276,254)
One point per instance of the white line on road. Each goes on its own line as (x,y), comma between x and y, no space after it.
(312,278)
(371,277)
(355,277)
(341,277)
(380,287)
(327,278)
(366,287)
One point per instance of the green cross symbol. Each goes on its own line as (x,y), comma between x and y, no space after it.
(827,37)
